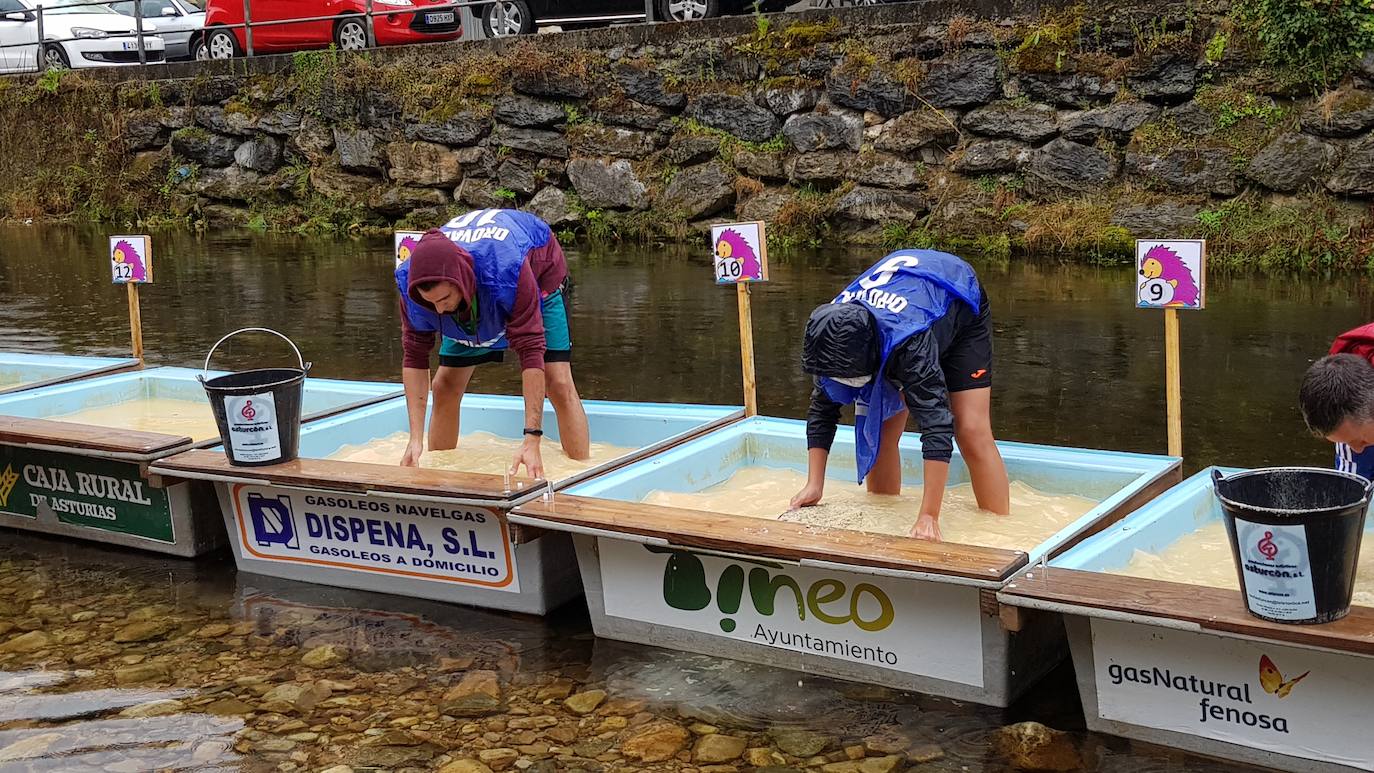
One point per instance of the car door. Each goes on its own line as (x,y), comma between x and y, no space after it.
(19,38)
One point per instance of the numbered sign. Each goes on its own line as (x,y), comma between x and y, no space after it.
(131,259)
(405,244)
(1171,274)
(740,252)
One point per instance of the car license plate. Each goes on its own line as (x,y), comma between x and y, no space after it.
(128,46)
(445,17)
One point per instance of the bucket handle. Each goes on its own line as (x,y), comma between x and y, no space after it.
(206,370)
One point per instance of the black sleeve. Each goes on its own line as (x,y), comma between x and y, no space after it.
(915,366)
(821,419)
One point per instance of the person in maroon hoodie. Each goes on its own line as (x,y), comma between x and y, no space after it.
(1337,399)
(487,281)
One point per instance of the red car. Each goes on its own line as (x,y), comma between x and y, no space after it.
(346,28)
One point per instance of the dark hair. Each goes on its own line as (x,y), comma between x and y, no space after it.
(425,287)
(1337,387)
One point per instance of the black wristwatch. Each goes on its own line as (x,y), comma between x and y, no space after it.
(534,432)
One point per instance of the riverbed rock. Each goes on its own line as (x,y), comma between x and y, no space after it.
(261,154)
(585,702)
(228,707)
(714,748)
(210,150)
(295,697)
(498,759)
(1186,170)
(465,128)
(1346,113)
(424,164)
(875,90)
(1031,123)
(655,742)
(477,695)
(358,149)
(1355,175)
(736,115)
(141,673)
(157,708)
(1031,746)
(799,742)
(699,191)
(1292,161)
(29,748)
(964,78)
(33,641)
(1068,167)
(145,630)
(325,656)
(909,132)
(465,766)
(616,141)
(605,183)
(1116,121)
(923,753)
(519,110)
(811,131)
(992,157)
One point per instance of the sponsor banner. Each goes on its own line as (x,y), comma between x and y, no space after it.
(916,627)
(1292,701)
(253,432)
(398,537)
(83,491)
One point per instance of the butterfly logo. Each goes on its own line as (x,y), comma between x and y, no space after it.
(1271,679)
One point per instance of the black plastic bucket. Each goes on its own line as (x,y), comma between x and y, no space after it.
(1295,535)
(258,411)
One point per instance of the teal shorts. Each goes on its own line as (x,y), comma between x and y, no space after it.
(557,339)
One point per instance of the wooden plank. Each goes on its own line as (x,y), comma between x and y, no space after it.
(15,430)
(352,477)
(1212,609)
(766,538)
(1138,500)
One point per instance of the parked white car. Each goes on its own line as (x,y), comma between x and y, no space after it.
(179,22)
(83,36)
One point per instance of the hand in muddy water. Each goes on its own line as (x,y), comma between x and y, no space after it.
(529,456)
(807,497)
(414,449)
(927,528)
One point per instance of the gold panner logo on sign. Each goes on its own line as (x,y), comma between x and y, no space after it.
(7,480)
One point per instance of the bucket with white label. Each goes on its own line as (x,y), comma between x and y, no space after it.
(1295,536)
(258,411)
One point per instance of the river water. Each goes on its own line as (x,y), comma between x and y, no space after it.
(150,663)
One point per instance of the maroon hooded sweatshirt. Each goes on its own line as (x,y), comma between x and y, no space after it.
(437,258)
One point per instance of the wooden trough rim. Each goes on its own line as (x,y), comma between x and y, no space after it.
(764,538)
(122,366)
(88,439)
(1178,605)
(359,478)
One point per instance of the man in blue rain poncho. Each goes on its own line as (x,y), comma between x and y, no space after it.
(912,336)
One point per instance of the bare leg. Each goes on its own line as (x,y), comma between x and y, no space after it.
(567,406)
(973,432)
(886,475)
(448,387)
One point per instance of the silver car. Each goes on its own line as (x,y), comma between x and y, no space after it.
(179,22)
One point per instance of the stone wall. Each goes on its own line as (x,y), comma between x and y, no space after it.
(998,126)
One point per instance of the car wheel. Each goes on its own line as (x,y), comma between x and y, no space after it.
(221,45)
(688,10)
(54,58)
(199,51)
(519,20)
(351,34)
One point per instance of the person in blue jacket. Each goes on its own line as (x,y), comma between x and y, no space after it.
(912,336)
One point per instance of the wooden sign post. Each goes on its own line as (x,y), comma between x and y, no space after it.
(740,256)
(131,264)
(1172,275)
